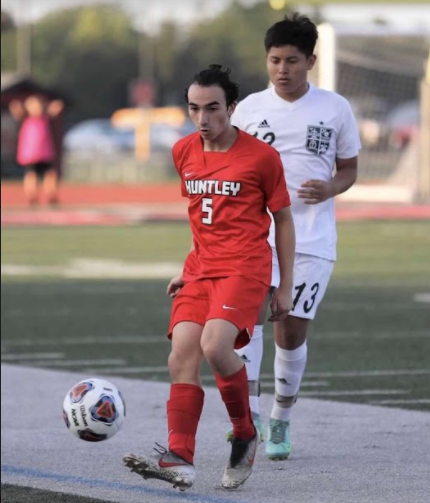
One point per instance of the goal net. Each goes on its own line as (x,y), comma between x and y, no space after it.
(380,71)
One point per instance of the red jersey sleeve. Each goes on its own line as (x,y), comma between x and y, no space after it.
(273,182)
(177,154)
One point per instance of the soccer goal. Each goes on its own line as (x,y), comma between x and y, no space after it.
(381,71)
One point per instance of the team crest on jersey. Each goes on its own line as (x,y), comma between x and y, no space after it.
(318,139)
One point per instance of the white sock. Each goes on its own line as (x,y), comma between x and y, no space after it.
(289,369)
(252,355)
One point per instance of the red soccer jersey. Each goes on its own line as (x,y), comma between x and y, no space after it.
(229,193)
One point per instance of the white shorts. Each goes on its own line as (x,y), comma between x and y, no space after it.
(311,278)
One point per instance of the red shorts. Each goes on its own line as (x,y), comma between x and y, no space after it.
(236,299)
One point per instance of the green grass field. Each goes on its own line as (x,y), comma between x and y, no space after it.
(369,343)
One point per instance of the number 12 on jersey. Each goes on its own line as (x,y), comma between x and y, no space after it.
(207,210)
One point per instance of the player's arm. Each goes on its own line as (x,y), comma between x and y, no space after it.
(282,301)
(317,191)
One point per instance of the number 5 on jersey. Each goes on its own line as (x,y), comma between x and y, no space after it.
(207,210)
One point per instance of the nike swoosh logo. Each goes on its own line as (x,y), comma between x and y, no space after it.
(229,308)
(187,175)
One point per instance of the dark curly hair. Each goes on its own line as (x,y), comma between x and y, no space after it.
(296,30)
(216,76)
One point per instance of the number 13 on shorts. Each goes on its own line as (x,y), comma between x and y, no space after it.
(207,210)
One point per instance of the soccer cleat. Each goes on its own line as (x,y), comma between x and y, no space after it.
(278,446)
(258,423)
(168,467)
(241,462)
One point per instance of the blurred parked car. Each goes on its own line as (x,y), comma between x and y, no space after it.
(403,124)
(98,135)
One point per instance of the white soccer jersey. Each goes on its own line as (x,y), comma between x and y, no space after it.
(309,134)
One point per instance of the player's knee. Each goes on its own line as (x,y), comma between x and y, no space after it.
(174,363)
(292,339)
(185,369)
(285,402)
(213,354)
(179,362)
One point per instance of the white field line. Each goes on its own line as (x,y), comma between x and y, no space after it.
(381,336)
(79,341)
(21,313)
(78,363)
(359,373)
(133,370)
(304,384)
(368,306)
(362,392)
(422,297)
(162,339)
(401,402)
(88,289)
(12,357)
(93,268)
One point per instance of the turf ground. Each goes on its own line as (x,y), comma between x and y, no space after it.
(93,300)
(14,494)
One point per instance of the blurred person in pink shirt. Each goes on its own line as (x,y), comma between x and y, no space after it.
(36,147)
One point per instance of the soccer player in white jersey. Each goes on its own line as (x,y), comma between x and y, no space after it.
(316,134)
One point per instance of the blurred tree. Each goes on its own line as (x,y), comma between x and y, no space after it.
(91,54)
(167,46)
(234,39)
(7,22)
(8,42)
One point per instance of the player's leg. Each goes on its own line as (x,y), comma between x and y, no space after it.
(176,464)
(31,183)
(218,342)
(235,307)
(185,405)
(50,184)
(252,356)
(311,277)
(290,364)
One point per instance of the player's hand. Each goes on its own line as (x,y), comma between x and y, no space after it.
(315,191)
(175,286)
(281,305)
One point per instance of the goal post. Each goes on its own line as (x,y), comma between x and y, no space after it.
(381,70)
(423,191)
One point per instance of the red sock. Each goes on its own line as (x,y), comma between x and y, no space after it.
(235,394)
(183,414)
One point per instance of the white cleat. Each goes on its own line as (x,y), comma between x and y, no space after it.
(168,467)
(241,462)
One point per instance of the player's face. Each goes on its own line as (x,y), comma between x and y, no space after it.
(288,71)
(208,110)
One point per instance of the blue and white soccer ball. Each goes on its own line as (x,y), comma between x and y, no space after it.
(94,410)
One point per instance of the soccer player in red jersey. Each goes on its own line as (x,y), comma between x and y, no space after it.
(231,179)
